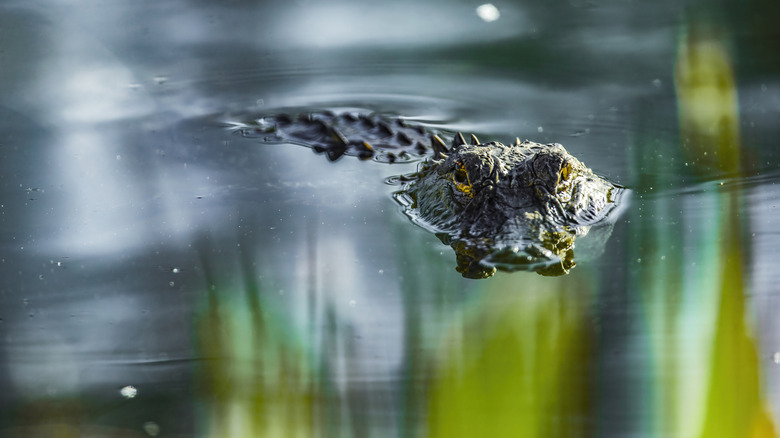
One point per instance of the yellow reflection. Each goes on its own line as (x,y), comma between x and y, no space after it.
(707,99)
(519,366)
(735,405)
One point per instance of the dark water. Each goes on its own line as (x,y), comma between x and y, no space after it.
(164,277)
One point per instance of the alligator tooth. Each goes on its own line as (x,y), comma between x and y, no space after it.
(517,141)
(474,140)
(458,141)
(368,146)
(439,148)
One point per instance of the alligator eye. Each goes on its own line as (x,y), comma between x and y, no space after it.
(460,179)
(565,172)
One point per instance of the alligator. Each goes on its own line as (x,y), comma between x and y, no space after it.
(500,207)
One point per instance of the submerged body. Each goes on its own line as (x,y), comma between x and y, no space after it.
(509,207)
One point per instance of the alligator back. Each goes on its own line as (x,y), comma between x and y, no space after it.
(366,136)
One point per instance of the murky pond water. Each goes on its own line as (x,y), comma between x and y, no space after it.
(161,275)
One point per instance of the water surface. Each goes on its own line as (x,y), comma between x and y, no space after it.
(162,276)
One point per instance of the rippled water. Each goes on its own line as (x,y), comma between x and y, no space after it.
(163,276)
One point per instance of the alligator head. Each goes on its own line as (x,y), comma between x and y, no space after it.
(517,207)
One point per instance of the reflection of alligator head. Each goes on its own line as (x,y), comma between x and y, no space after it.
(508,207)
(517,207)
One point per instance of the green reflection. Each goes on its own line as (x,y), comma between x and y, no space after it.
(256,377)
(703,378)
(519,365)
(709,122)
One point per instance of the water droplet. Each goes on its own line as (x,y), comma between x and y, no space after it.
(128,391)
(776,358)
(171,284)
(352,303)
(175,270)
(657,83)
(381,271)
(540,129)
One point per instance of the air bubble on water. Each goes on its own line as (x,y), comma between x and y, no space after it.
(381,271)
(128,392)
(539,129)
(171,284)
(488,12)
(657,83)
(151,428)
(175,270)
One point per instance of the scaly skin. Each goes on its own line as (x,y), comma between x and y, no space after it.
(517,207)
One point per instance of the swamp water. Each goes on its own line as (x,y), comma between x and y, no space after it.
(160,276)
